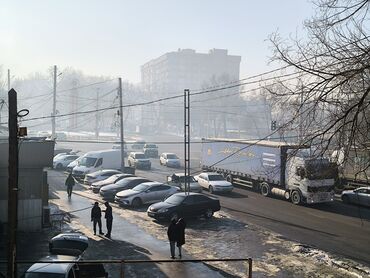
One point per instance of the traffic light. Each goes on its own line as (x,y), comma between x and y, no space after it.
(273,125)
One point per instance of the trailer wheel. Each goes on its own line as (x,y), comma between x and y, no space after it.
(265,189)
(296,197)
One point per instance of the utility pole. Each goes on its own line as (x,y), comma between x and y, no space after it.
(12,184)
(54,104)
(97,114)
(121,124)
(8,80)
(187,139)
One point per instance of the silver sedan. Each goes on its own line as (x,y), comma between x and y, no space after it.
(145,193)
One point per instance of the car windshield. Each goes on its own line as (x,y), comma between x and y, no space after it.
(112,178)
(151,146)
(88,161)
(190,179)
(175,199)
(139,156)
(141,187)
(123,182)
(172,156)
(215,178)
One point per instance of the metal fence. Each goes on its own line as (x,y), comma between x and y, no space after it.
(122,263)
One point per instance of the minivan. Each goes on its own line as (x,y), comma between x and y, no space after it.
(97,160)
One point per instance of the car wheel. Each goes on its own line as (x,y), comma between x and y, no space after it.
(59,166)
(210,188)
(265,189)
(345,199)
(208,213)
(129,163)
(136,202)
(160,162)
(296,197)
(174,215)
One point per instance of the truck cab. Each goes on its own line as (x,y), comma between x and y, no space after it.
(310,180)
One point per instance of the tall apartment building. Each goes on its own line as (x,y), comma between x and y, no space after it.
(185,69)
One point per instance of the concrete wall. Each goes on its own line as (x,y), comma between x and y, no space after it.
(32,182)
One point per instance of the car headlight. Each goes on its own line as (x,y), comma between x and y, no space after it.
(163,210)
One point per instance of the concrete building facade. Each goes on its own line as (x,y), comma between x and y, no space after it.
(171,73)
(185,69)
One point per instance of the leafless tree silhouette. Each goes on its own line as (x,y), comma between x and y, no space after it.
(330,101)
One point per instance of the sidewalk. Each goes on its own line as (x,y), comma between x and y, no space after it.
(128,242)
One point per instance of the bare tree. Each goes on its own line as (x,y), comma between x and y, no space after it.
(332,93)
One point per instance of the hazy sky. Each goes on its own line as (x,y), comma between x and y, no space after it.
(116,37)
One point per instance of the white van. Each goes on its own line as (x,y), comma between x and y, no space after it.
(97,160)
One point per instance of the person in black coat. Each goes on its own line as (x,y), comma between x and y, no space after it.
(70,182)
(108,218)
(180,234)
(171,233)
(96,217)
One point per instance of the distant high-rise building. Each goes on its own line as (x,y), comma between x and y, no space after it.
(185,69)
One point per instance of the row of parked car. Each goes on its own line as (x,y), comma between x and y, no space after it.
(167,199)
(106,159)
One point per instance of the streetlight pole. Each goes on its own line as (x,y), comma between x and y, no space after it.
(54,104)
(121,125)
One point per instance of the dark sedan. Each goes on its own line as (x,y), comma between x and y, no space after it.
(109,191)
(184,205)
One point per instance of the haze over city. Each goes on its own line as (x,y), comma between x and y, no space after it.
(185,138)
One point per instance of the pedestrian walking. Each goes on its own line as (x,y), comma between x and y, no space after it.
(108,218)
(180,234)
(96,218)
(70,182)
(171,233)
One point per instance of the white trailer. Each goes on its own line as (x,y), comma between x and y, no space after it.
(272,168)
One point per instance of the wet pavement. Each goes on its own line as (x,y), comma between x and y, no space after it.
(124,231)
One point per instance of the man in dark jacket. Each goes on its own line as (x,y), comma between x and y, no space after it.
(96,217)
(180,234)
(108,218)
(171,233)
(70,182)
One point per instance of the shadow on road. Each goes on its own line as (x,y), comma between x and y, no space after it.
(280,221)
(350,210)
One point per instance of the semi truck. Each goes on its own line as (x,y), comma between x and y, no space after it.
(272,168)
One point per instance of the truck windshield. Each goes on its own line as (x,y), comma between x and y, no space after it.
(88,161)
(317,169)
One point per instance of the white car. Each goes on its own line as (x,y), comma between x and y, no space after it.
(62,161)
(169,160)
(100,175)
(73,164)
(145,193)
(214,182)
(139,161)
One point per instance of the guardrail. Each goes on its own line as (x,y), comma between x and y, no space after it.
(123,262)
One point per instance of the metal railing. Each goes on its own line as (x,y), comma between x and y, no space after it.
(123,262)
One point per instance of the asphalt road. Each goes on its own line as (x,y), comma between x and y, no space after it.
(335,227)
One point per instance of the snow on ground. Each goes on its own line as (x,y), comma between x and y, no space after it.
(273,255)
